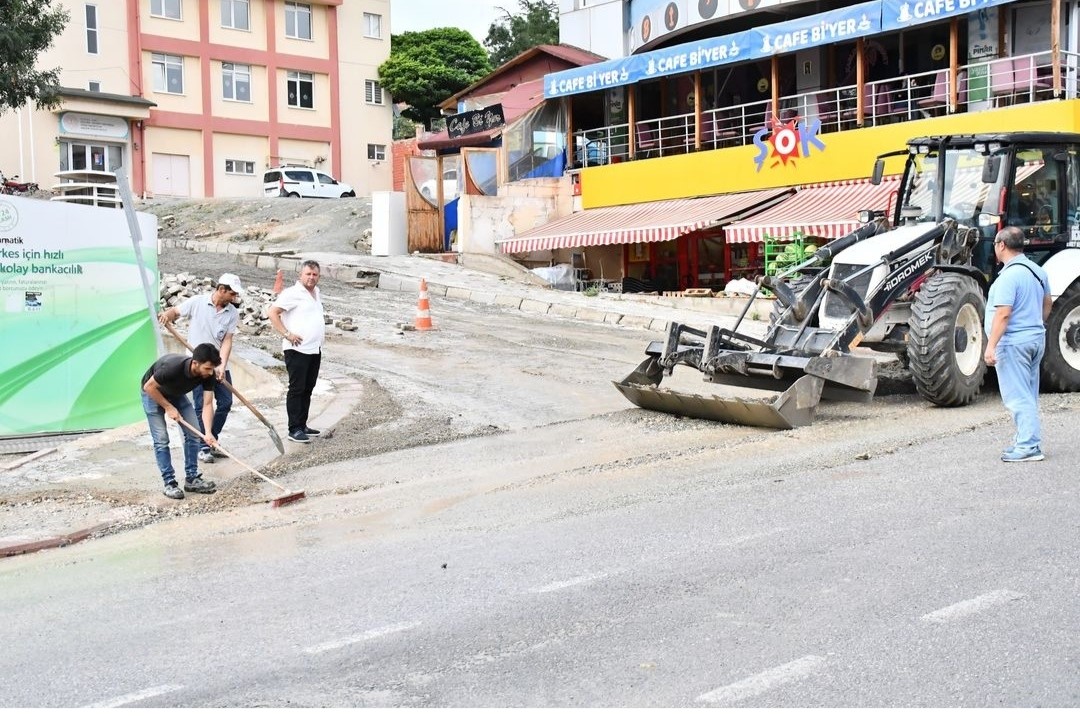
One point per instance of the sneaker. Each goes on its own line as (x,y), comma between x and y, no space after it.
(205,456)
(312,432)
(174,492)
(198,485)
(299,436)
(1021,455)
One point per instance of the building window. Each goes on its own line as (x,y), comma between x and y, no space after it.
(91,29)
(166,9)
(235,82)
(372,92)
(81,156)
(94,86)
(235,14)
(297,21)
(372,25)
(168,73)
(301,89)
(376,152)
(244,168)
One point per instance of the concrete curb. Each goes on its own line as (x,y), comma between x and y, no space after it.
(398,282)
(16,549)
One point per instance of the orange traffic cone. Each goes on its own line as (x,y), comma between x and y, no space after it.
(279,281)
(423,309)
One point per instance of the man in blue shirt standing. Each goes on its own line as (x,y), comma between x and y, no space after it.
(1016,310)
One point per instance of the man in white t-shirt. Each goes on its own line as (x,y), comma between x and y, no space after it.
(213,318)
(297,315)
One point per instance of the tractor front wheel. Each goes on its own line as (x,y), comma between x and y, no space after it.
(1061,364)
(946,340)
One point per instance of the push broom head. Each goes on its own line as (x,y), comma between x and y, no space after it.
(286,499)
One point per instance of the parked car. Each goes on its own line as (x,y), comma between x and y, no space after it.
(449,189)
(304,182)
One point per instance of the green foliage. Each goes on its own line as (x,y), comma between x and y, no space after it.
(27,29)
(428,66)
(537,23)
(404,128)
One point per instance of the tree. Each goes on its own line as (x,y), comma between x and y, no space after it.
(426,67)
(537,23)
(27,29)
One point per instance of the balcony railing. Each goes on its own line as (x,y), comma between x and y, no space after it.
(998,82)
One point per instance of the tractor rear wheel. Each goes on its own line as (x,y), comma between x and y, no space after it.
(946,340)
(1061,364)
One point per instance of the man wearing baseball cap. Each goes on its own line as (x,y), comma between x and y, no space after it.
(212,318)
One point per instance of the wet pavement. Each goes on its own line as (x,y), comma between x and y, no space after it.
(44,518)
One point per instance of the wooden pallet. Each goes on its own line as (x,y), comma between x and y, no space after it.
(690,293)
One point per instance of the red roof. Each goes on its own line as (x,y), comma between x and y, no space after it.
(516,102)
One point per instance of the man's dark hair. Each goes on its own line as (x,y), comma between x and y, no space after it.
(1012,237)
(206,352)
(311,264)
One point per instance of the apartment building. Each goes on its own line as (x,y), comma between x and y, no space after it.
(198,97)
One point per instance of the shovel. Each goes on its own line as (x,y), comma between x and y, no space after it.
(236,393)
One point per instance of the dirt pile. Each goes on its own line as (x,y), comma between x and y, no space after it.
(268,224)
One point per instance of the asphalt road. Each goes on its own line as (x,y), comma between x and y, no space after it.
(585,553)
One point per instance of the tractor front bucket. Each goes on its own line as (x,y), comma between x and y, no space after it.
(793,407)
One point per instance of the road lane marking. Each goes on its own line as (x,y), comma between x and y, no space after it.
(579,581)
(366,636)
(972,605)
(760,683)
(135,696)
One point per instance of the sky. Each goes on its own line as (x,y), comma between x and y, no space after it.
(474,16)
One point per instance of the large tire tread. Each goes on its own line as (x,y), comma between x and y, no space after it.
(931,346)
(1057,374)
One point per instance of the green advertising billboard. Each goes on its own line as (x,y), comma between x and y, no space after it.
(75,331)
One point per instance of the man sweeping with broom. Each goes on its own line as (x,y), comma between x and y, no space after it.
(165,388)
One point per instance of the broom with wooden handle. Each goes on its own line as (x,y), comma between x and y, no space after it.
(290,496)
(236,393)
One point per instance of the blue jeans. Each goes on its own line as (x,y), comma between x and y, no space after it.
(159,433)
(223,398)
(1018,381)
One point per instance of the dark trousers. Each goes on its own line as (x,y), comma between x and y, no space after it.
(223,400)
(303,372)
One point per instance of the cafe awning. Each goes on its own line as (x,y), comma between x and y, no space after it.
(642,223)
(828,210)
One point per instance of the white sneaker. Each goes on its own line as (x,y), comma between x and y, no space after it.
(205,456)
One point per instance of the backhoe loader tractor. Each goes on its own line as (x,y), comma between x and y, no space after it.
(914,285)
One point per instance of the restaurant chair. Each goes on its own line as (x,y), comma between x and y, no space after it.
(938,100)
(646,139)
(1002,80)
(1027,80)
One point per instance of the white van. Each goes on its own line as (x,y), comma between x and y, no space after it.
(304,182)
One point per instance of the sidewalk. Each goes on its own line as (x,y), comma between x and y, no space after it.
(454,281)
(62,519)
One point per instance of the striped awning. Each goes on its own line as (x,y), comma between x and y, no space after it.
(638,223)
(828,210)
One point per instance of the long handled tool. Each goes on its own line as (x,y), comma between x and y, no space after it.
(236,393)
(290,496)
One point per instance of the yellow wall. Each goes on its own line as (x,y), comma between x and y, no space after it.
(847,155)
